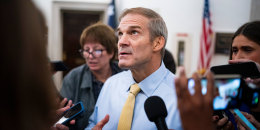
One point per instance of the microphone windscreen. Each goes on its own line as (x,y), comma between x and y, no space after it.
(154,108)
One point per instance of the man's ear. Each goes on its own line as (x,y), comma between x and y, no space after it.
(158,43)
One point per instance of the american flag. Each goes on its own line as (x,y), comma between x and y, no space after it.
(206,47)
(112,15)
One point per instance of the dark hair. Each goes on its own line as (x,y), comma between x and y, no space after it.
(27,90)
(250,30)
(169,61)
(156,25)
(103,34)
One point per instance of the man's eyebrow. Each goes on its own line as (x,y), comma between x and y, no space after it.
(131,27)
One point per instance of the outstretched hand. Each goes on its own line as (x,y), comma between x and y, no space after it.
(195,110)
(102,123)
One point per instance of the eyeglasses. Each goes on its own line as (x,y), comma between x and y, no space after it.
(96,53)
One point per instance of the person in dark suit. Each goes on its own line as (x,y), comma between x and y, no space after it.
(169,61)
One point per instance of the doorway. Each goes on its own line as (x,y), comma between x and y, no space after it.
(74,22)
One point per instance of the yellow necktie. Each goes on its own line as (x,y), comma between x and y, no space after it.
(126,116)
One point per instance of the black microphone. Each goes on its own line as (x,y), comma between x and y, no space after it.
(156,111)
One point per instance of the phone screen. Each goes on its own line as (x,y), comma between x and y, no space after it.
(74,110)
(227,90)
(71,113)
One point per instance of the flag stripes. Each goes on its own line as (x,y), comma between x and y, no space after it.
(206,47)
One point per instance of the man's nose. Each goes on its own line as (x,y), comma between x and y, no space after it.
(123,40)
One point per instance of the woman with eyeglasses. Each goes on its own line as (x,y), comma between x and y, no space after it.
(99,49)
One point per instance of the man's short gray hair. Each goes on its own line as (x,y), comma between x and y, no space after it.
(156,25)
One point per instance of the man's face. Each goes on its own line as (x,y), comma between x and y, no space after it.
(134,46)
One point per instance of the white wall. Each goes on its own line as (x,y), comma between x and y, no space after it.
(183,16)
(228,16)
(45,7)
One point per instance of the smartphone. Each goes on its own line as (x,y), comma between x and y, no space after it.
(245,69)
(228,88)
(243,120)
(71,114)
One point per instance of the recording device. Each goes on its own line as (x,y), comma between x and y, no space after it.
(71,114)
(245,69)
(156,111)
(231,92)
(242,119)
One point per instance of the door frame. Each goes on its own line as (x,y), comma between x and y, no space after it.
(55,42)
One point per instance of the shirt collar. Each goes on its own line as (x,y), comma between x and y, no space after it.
(151,83)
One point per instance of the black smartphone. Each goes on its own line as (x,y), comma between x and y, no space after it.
(245,69)
(71,114)
(228,88)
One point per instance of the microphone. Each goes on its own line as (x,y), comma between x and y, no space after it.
(156,111)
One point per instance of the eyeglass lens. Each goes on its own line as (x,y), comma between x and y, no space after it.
(95,53)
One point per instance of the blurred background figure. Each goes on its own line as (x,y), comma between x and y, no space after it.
(28,93)
(99,49)
(169,61)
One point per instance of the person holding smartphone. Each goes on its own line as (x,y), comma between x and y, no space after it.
(246,47)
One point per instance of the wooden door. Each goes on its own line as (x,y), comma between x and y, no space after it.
(73,24)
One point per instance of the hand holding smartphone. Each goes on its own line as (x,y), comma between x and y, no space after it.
(242,119)
(71,114)
(227,89)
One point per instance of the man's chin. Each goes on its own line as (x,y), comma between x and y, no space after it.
(123,65)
